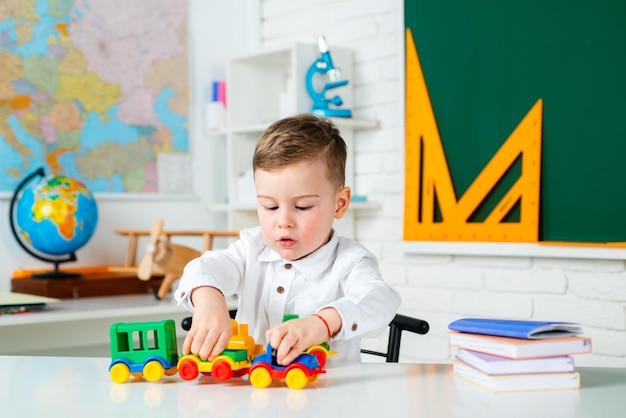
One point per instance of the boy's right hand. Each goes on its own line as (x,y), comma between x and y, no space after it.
(211,327)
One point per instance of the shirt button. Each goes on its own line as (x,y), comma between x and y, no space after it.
(280,289)
(288,266)
(354,327)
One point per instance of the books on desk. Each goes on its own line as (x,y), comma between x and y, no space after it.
(496,365)
(533,360)
(517,382)
(517,348)
(532,330)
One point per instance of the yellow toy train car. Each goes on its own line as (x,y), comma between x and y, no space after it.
(234,361)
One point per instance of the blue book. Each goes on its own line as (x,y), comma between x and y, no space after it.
(529,330)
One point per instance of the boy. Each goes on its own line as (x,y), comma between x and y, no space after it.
(293,263)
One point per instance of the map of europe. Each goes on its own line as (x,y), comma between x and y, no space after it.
(92,89)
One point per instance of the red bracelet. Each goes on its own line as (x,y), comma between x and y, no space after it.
(325,324)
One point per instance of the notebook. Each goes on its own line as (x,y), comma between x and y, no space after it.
(12,302)
(515,328)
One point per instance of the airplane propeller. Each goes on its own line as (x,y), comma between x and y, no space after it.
(145,267)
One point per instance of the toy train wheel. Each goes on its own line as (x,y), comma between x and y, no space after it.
(260,377)
(120,373)
(188,369)
(153,371)
(221,371)
(171,371)
(296,378)
(313,378)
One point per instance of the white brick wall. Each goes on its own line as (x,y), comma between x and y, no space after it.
(434,287)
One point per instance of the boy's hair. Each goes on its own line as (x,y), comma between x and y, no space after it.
(303,137)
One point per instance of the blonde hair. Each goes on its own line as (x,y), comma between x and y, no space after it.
(304,137)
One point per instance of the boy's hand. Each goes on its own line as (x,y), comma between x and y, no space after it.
(292,337)
(211,327)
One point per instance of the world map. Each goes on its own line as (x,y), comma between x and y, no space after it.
(94,90)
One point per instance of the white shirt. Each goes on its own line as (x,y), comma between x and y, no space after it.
(342,274)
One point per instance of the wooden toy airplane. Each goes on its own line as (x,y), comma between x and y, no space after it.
(169,258)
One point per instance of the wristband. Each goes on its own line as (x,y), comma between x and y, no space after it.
(325,324)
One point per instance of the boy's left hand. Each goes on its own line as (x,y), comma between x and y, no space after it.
(292,337)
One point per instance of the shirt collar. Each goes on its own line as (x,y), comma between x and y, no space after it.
(313,264)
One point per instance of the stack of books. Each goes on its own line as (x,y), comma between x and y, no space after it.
(510,355)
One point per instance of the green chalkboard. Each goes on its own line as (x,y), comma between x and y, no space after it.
(487,62)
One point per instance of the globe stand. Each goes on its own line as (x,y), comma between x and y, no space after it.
(56,273)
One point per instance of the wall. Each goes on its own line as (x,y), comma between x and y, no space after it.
(437,288)
(209,52)
(441,288)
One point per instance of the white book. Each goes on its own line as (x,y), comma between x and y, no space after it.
(497,365)
(519,347)
(516,382)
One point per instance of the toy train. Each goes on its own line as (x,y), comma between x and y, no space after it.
(149,350)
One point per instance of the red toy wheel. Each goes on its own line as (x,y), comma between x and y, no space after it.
(221,371)
(320,356)
(188,369)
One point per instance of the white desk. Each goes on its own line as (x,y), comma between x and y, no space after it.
(79,387)
(80,327)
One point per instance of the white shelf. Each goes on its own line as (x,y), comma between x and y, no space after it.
(250,129)
(356,123)
(264,86)
(345,123)
(363,206)
(216,132)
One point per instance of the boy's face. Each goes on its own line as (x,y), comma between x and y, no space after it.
(296,206)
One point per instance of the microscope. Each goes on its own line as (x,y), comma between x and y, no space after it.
(324,66)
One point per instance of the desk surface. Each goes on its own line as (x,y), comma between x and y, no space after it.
(78,387)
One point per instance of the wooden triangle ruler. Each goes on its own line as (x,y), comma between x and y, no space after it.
(428,183)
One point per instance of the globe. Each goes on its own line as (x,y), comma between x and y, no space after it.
(55,216)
